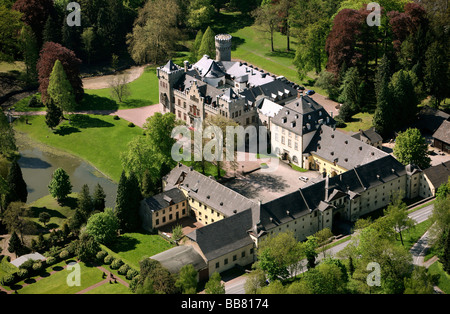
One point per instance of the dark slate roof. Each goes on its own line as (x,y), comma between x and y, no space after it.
(207,190)
(224,236)
(229,94)
(318,195)
(370,134)
(302,116)
(170,66)
(346,151)
(175,258)
(214,71)
(165,199)
(438,174)
(430,119)
(443,132)
(275,88)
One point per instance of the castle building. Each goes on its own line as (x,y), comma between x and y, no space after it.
(219,87)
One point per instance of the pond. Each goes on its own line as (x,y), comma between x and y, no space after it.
(38,162)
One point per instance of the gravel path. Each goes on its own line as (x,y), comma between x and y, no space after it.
(100,82)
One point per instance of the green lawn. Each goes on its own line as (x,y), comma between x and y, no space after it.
(57,282)
(444,279)
(412,235)
(110,288)
(6,268)
(143,92)
(94,138)
(59,213)
(133,247)
(359,121)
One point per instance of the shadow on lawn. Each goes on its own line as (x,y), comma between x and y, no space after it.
(124,243)
(94,102)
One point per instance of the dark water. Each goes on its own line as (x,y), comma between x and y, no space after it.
(38,164)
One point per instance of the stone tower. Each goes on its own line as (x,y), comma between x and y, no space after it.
(223,47)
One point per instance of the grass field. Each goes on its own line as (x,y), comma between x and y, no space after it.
(97,139)
(57,282)
(143,92)
(359,121)
(133,247)
(444,279)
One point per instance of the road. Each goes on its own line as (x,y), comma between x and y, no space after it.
(236,285)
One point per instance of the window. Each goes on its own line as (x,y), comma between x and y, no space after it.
(225,261)
(296,146)
(217,265)
(234,258)
(282,140)
(170,217)
(243,254)
(157,222)
(289,143)
(276,137)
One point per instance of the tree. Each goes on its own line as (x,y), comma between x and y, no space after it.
(437,73)
(420,282)
(10,24)
(187,279)
(128,202)
(7,140)
(329,82)
(119,87)
(322,237)
(255,281)
(103,226)
(194,56)
(54,114)
(88,40)
(309,249)
(350,92)
(208,44)
(411,148)
(215,285)
(16,184)
(86,248)
(99,198)
(266,20)
(60,186)
(15,220)
(44,217)
(60,90)
(200,13)
(85,201)
(50,31)
(34,14)
(155,31)
(397,212)
(404,97)
(51,52)
(15,245)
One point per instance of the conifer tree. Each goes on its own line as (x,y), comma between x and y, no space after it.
(208,44)
(194,56)
(128,202)
(15,245)
(383,119)
(98,198)
(60,186)
(85,201)
(54,114)
(60,90)
(17,186)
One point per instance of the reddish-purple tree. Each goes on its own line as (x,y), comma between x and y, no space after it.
(49,54)
(35,13)
(340,44)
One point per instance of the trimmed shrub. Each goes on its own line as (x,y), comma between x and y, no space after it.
(64,254)
(22,273)
(116,263)
(9,279)
(101,255)
(131,125)
(131,273)
(37,266)
(51,260)
(28,264)
(123,270)
(116,117)
(108,259)
(34,102)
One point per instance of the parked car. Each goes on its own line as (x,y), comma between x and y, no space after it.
(310,92)
(304,179)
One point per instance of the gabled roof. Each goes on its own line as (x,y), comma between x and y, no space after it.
(276,91)
(369,134)
(224,236)
(443,132)
(165,199)
(207,190)
(438,174)
(346,151)
(214,71)
(170,66)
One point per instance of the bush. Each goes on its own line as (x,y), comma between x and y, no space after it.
(131,273)
(37,266)
(23,273)
(131,125)
(108,259)
(101,255)
(64,254)
(34,102)
(116,117)
(116,263)
(28,265)
(123,270)
(9,279)
(51,260)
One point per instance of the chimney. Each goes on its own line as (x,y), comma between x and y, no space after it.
(186,66)
(327,181)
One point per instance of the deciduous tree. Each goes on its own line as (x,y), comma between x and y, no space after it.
(60,186)
(412,148)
